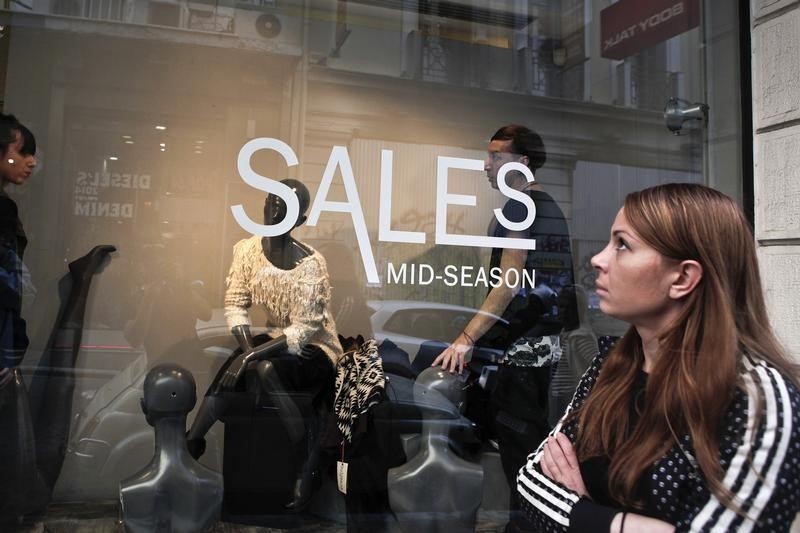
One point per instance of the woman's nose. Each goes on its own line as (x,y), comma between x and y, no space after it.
(599,260)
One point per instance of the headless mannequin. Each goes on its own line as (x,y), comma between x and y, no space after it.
(174,492)
(285,253)
(51,394)
(436,491)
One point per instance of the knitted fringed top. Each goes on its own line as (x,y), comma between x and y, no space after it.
(295,301)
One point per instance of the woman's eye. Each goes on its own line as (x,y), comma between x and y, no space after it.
(621,244)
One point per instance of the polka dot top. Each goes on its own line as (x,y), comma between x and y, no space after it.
(760,461)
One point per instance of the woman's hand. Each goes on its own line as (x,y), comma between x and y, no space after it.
(560,463)
(455,355)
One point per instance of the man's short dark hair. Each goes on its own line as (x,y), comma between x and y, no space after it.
(524,141)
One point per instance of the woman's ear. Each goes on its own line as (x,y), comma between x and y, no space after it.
(524,159)
(690,273)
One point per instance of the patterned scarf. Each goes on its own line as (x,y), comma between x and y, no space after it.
(359,385)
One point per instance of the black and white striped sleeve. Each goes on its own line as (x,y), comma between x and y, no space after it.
(547,503)
(761,464)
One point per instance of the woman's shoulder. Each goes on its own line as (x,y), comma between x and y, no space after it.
(778,395)
(767,377)
(8,208)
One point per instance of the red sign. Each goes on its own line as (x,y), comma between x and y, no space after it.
(632,25)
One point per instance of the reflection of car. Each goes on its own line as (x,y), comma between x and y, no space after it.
(409,324)
(110,438)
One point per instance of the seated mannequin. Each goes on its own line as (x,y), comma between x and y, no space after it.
(436,491)
(290,280)
(174,492)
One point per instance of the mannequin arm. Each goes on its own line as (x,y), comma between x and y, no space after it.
(243,337)
(236,369)
(238,297)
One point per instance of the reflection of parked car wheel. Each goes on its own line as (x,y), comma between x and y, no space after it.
(111,439)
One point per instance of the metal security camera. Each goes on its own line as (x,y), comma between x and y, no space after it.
(678,111)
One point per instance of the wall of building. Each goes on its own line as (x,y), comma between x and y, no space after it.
(775,30)
(776,140)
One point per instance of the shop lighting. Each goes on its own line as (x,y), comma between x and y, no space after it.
(198,142)
(162,145)
(163,149)
(198,151)
(129,141)
(113,158)
(160,127)
(127,137)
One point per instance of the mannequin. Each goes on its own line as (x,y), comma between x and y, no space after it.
(174,492)
(436,491)
(51,394)
(289,278)
(40,417)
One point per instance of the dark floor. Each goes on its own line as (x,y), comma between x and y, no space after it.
(102,517)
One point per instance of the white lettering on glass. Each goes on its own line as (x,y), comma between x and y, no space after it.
(443,199)
(340,159)
(385,233)
(267,185)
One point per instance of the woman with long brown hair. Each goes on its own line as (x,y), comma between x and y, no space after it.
(692,421)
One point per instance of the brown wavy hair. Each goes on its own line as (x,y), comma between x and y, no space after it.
(693,379)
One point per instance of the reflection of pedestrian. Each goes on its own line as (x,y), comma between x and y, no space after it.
(529,334)
(692,421)
(17,447)
(18,146)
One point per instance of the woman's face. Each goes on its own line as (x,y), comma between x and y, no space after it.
(16,167)
(633,280)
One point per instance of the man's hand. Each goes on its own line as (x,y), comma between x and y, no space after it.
(454,357)
(560,463)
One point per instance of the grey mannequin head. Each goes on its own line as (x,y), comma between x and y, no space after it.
(433,385)
(169,391)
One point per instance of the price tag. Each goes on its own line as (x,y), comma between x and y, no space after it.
(341,476)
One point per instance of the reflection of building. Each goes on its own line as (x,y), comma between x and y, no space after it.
(422,79)
(315,75)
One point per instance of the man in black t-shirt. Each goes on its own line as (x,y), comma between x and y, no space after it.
(528,333)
